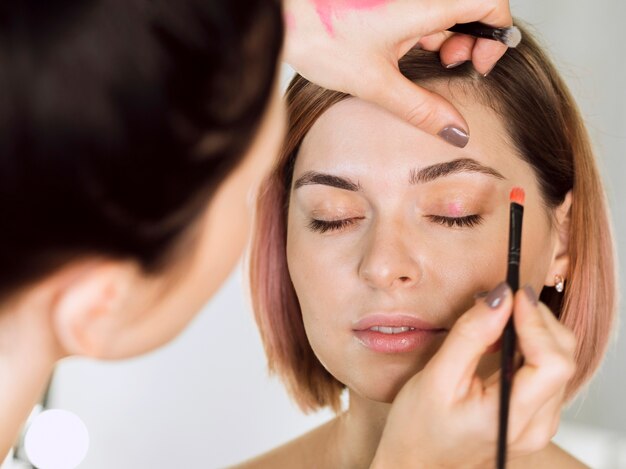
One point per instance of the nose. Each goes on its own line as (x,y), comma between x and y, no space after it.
(390,260)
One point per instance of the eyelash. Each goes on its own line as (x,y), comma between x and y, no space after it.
(469,221)
(322,226)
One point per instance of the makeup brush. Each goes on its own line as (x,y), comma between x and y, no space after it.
(516,197)
(510,36)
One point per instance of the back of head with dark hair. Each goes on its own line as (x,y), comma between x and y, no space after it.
(119,119)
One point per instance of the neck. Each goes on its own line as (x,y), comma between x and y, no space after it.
(358,431)
(28,354)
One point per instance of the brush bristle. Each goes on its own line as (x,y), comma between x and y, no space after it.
(517,195)
(511,36)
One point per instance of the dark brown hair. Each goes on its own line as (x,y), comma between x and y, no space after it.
(119,119)
(546,128)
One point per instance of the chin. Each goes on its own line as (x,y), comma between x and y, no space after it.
(382,389)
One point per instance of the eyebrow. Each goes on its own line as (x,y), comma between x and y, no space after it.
(313,177)
(417,176)
(461,165)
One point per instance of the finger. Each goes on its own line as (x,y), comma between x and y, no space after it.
(433,42)
(546,369)
(530,432)
(535,340)
(456,50)
(564,336)
(453,367)
(534,313)
(426,110)
(486,54)
(493,379)
(440,15)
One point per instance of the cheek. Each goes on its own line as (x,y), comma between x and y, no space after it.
(322,282)
(313,268)
(537,247)
(460,268)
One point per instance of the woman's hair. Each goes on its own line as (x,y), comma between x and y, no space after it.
(547,131)
(118,121)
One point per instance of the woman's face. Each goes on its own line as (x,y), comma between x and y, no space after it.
(391,233)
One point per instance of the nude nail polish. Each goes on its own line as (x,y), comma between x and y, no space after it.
(497,295)
(454,65)
(454,136)
(531,295)
(481,295)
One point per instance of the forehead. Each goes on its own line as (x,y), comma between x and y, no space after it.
(359,137)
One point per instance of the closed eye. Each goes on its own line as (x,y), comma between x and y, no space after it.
(467,221)
(322,226)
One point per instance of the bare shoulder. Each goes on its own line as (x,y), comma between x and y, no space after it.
(548,458)
(306,451)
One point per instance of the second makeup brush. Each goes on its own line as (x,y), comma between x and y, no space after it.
(510,36)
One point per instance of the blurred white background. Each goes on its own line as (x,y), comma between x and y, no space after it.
(206,400)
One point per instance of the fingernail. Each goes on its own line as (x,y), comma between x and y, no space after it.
(497,295)
(481,295)
(454,136)
(531,295)
(455,64)
(488,72)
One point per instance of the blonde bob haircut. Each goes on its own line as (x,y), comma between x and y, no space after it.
(547,130)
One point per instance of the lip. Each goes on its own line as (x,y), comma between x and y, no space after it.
(420,333)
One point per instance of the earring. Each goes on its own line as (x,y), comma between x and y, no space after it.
(559,283)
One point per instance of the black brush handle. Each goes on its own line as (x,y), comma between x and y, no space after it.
(506,382)
(477,29)
(508,336)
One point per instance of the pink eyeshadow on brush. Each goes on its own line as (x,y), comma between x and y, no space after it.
(326,9)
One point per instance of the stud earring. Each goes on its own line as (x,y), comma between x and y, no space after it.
(559,283)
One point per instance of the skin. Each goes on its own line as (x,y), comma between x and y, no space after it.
(108,308)
(366,65)
(393,257)
(357,141)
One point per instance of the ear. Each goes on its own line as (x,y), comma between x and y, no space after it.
(88,308)
(560,253)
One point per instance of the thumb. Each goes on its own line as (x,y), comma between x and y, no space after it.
(424,109)
(453,367)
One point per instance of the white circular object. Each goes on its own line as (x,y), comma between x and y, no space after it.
(57,439)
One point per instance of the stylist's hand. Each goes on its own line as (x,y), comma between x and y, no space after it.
(447,417)
(354,46)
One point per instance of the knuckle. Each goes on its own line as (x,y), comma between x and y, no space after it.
(491,53)
(562,368)
(420,113)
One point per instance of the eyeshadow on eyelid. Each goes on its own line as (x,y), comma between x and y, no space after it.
(455,209)
(335,212)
